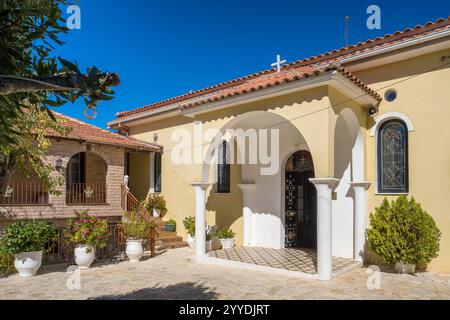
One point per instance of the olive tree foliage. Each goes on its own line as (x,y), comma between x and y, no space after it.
(32,80)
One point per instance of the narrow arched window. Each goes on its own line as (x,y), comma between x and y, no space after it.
(393,157)
(223,168)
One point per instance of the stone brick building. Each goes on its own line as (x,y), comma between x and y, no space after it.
(93,163)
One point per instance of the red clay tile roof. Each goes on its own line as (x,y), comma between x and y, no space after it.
(83,131)
(293,71)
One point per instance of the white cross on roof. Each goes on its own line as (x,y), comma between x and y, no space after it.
(278,63)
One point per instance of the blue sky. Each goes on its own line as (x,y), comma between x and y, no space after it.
(165,48)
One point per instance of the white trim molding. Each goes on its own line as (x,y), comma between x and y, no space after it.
(391,116)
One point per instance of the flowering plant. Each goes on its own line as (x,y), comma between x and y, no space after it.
(155,202)
(87,230)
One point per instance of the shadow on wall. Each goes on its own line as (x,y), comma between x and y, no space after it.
(227,207)
(179,291)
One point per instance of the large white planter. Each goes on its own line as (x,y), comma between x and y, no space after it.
(208,245)
(156,213)
(84,256)
(28,263)
(134,250)
(191,242)
(227,243)
(402,268)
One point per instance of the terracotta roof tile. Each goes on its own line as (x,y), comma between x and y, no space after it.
(293,71)
(83,131)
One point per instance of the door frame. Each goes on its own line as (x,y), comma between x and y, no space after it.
(283,192)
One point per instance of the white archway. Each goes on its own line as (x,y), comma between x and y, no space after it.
(263,195)
(349,207)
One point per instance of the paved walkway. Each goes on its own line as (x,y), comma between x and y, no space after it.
(172,276)
(292,259)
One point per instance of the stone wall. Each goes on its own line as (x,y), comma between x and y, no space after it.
(57,208)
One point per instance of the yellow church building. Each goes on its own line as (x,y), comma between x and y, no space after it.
(300,154)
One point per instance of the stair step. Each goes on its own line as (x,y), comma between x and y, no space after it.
(163,234)
(171,245)
(169,239)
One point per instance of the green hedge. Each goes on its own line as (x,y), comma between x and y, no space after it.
(401,231)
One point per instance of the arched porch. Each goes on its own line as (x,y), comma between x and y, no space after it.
(339,196)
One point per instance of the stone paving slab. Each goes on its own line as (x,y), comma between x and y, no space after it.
(172,276)
(291,259)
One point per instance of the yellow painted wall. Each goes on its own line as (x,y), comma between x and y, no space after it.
(309,111)
(424,96)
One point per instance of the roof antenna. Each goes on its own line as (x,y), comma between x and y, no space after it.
(347,20)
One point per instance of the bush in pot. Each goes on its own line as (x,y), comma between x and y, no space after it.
(155,204)
(171,225)
(403,234)
(227,238)
(87,233)
(26,241)
(135,231)
(189,226)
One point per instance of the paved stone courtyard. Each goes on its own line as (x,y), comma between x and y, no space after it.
(292,259)
(172,276)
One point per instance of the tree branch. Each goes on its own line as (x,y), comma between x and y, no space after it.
(61,82)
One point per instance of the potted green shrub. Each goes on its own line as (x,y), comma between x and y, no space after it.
(227,238)
(135,231)
(171,225)
(87,233)
(403,234)
(189,226)
(26,241)
(155,204)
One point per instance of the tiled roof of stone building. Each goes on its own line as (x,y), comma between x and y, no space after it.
(83,131)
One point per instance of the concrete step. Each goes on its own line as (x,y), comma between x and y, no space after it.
(169,239)
(171,245)
(164,233)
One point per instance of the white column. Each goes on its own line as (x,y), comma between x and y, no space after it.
(360,219)
(246,211)
(200,216)
(324,187)
(152,171)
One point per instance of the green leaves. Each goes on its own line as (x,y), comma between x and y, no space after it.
(69,66)
(136,229)
(29,31)
(26,236)
(226,233)
(401,231)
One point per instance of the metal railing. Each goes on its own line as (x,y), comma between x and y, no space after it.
(128,201)
(61,251)
(24,193)
(86,193)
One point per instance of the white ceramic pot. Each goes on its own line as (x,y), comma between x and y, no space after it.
(28,263)
(402,268)
(134,250)
(156,213)
(208,245)
(191,242)
(84,256)
(227,243)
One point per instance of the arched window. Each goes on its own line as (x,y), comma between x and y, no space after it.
(223,168)
(393,157)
